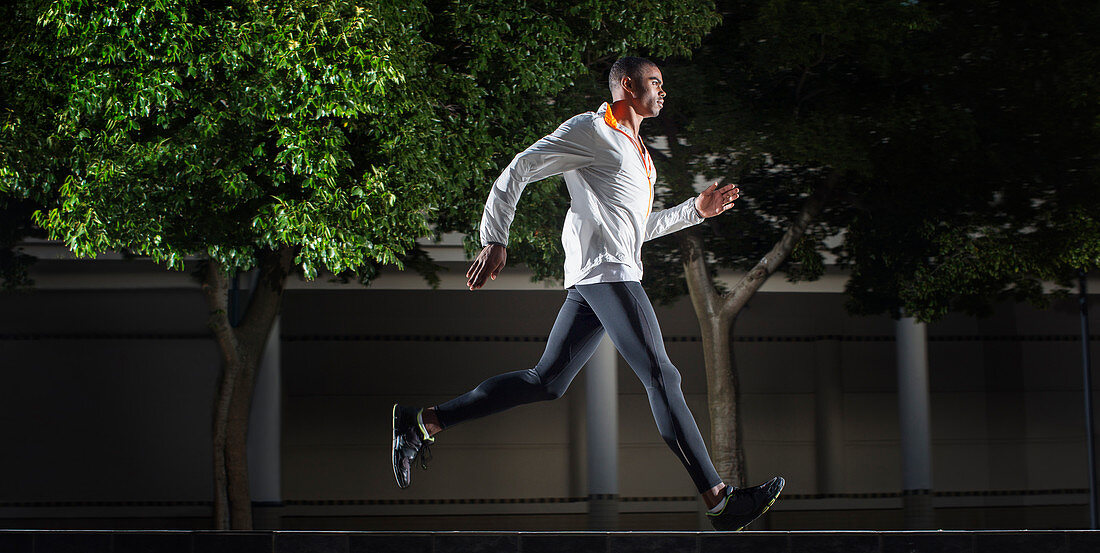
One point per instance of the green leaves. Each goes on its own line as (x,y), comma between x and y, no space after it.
(176,128)
(994,194)
(216,131)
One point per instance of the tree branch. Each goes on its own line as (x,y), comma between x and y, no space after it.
(750,283)
(700,286)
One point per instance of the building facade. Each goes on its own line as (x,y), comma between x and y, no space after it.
(110,376)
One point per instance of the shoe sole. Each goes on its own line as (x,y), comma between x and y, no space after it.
(782,483)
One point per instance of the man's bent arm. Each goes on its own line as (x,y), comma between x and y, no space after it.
(670,220)
(569,147)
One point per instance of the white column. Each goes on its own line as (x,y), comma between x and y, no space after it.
(264,433)
(601,382)
(915,426)
(829,422)
(578,448)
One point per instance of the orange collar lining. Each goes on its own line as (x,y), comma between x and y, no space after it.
(643,152)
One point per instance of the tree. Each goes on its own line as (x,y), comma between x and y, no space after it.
(280,136)
(1023,209)
(267,137)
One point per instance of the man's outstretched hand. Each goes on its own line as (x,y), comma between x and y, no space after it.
(487,265)
(715,201)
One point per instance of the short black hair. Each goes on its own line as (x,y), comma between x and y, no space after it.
(628,66)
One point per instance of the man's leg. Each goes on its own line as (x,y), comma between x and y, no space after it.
(573,340)
(626,313)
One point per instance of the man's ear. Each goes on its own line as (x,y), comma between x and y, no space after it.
(627,85)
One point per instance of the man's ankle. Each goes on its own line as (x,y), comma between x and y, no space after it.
(431,422)
(713,496)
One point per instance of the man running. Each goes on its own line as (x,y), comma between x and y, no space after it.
(610,177)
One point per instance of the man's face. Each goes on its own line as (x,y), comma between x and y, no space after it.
(648,91)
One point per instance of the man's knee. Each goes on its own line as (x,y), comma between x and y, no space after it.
(555,388)
(670,375)
(554,392)
(547,389)
(664,385)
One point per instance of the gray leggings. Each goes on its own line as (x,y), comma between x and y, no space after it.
(624,311)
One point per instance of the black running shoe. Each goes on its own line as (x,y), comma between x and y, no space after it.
(744,505)
(410,441)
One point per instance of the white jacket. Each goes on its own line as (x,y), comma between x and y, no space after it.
(611,190)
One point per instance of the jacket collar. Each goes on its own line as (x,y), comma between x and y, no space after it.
(608,115)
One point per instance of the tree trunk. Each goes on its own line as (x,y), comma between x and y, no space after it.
(717,314)
(236,443)
(727,447)
(241,349)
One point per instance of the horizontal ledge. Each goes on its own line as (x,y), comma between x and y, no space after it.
(540,533)
(535,338)
(532,500)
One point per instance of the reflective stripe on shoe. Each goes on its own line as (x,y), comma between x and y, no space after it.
(745,505)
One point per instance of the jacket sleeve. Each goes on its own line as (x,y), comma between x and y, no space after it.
(569,147)
(672,219)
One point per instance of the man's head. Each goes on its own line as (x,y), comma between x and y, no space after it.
(639,81)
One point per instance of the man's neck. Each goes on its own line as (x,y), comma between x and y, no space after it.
(626,116)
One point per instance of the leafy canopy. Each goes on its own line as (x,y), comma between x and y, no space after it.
(181,127)
(1013,204)
(781,98)
(967,138)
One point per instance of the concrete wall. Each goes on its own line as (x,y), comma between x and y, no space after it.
(107,397)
